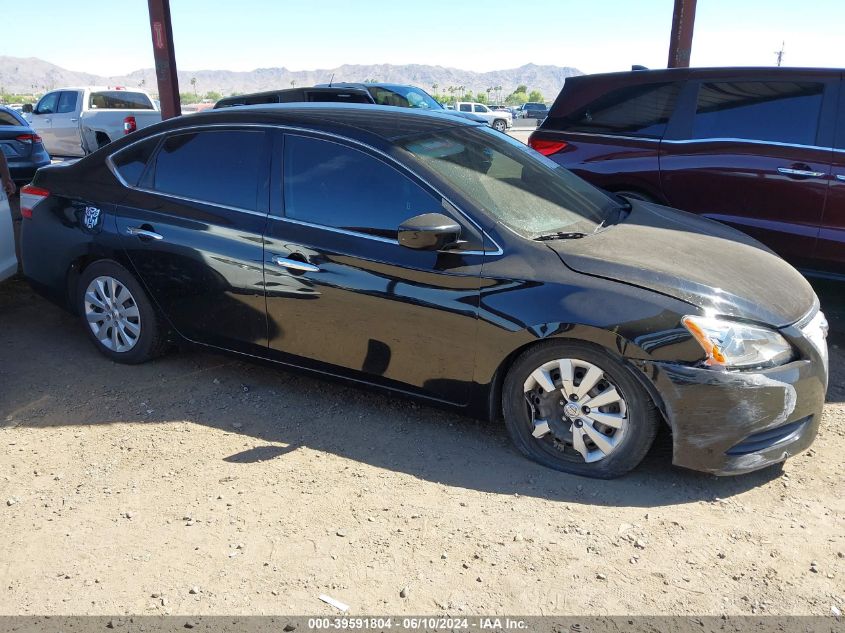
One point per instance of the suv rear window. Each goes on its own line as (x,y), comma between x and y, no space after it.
(641,110)
(778,111)
(119,100)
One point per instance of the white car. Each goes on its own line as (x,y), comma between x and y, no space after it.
(8,258)
(78,121)
(497,119)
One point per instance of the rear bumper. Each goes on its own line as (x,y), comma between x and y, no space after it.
(728,423)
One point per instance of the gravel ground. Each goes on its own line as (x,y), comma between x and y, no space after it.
(199,484)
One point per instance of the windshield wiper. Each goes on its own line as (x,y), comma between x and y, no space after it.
(559,236)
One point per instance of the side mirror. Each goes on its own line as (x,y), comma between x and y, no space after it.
(429,232)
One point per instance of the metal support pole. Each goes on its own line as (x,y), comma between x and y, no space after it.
(680,41)
(165,58)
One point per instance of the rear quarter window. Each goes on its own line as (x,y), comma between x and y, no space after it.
(640,110)
(131,162)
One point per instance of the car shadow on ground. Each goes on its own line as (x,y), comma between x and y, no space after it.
(52,376)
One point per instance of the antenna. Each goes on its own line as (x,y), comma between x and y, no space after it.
(779,54)
(331,80)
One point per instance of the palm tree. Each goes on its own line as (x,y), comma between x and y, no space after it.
(434,88)
(293,83)
(194,84)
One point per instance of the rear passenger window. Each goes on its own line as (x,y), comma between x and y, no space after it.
(67,102)
(220,167)
(131,162)
(632,111)
(466,107)
(779,111)
(333,185)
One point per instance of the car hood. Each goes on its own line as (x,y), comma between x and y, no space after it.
(694,259)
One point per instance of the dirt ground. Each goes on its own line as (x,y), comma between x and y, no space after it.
(199,484)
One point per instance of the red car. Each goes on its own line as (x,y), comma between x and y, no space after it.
(761,149)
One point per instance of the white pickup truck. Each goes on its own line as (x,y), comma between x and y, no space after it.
(499,120)
(78,121)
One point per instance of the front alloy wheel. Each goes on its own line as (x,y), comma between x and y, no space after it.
(576,407)
(573,407)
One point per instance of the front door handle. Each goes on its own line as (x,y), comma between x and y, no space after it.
(840,176)
(295,264)
(806,173)
(139,231)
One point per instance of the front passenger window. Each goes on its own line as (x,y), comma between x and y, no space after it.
(333,185)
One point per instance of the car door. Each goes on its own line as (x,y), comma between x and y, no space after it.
(192,226)
(482,111)
(65,125)
(343,294)
(42,119)
(829,256)
(755,154)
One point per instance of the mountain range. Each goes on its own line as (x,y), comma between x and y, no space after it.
(33,75)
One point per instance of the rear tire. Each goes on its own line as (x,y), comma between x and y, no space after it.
(118,315)
(621,429)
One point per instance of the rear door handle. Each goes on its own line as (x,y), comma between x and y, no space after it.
(807,173)
(138,231)
(840,176)
(295,264)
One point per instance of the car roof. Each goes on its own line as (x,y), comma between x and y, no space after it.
(745,72)
(364,121)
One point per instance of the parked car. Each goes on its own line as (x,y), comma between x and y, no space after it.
(23,148)
(8,257)
(403,96)
(760,149)
(78,121)
(499,120)
(434,257)
(533,110)
(298,95)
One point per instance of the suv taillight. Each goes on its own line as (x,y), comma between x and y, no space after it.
(30,197)
(129,125)
(28,138)
(545,146)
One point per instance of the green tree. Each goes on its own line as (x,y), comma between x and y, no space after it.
(522,88)
(213,96)
(481,97)
(516,98)
(188,97)
(536,96)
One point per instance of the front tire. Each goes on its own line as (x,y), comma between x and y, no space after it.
(575,408)
(500,125)
(117,314)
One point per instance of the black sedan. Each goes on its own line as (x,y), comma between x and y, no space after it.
(23,148)
(433,257)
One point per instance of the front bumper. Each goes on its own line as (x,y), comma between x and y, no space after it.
(728,423)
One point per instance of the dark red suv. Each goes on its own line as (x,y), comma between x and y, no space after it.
(761,149)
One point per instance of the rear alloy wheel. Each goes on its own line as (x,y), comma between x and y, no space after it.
(117,314)
(574,408)
(499,125)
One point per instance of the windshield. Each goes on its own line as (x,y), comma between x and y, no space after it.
(521,188)
(404,97)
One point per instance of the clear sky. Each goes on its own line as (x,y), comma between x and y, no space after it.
(112,37)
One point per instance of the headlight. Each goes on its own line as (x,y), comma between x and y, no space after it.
(733,345)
